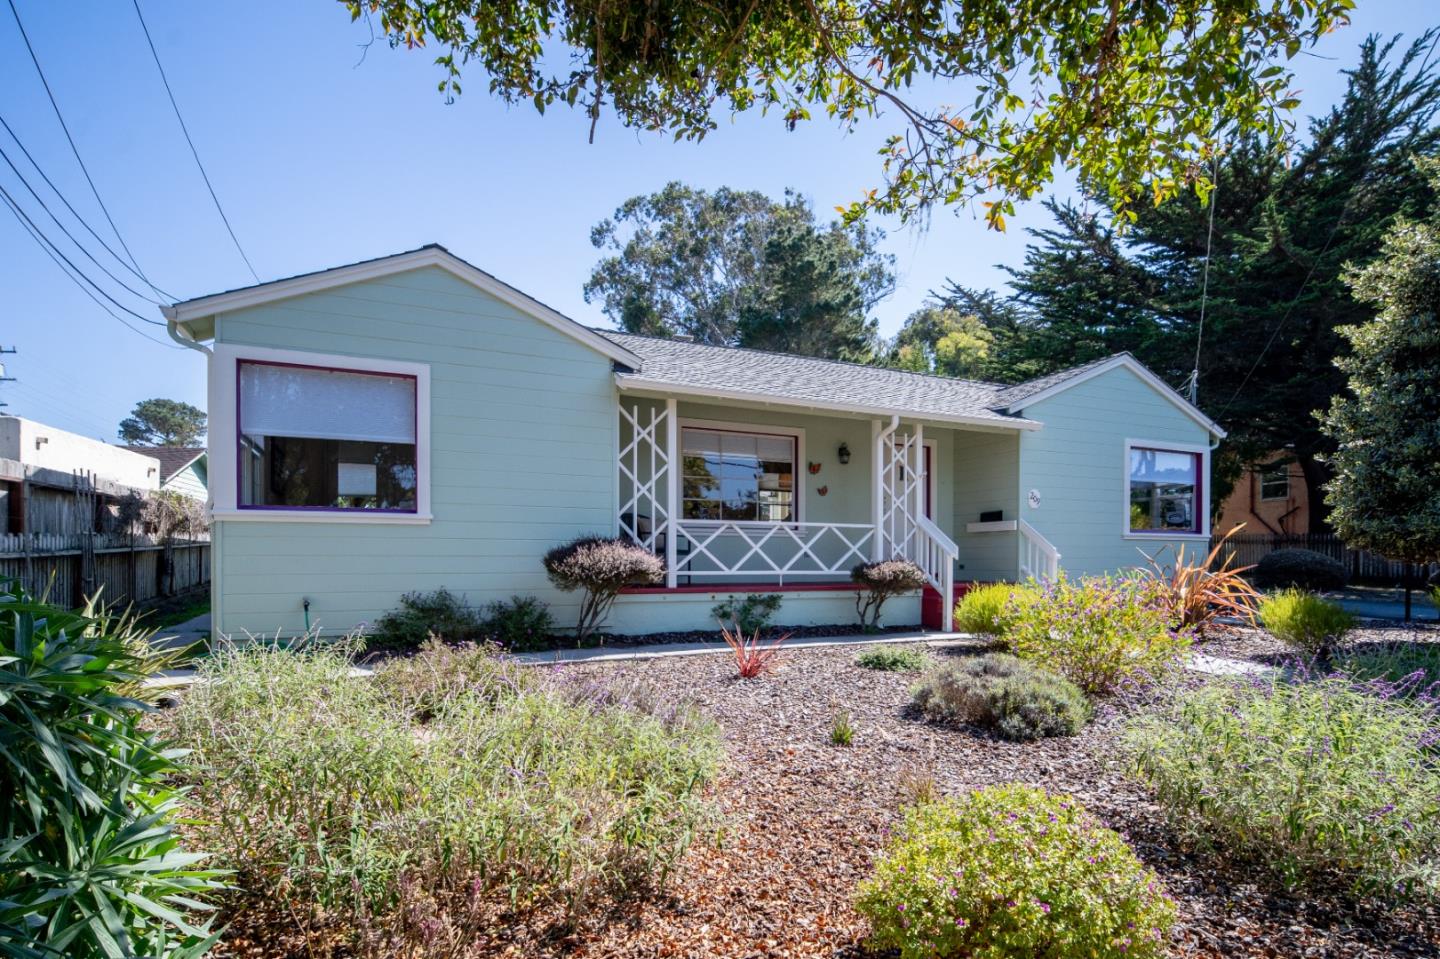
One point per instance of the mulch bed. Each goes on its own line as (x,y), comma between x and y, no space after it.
(1258,646)
(805,819)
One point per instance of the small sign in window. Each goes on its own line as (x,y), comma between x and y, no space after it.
(356,479)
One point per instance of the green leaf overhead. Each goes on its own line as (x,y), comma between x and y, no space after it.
(978,100)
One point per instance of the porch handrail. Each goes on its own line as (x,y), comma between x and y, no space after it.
(800,546)
(1039,559)
(935,554)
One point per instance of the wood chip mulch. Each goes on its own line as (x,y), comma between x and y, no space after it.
(805,819)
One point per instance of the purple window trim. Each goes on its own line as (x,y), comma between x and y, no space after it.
(338,510)
(1197,526)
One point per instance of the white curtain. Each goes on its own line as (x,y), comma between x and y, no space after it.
(326,404)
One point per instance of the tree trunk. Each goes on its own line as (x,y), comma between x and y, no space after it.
(1316,476)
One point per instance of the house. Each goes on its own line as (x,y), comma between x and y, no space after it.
(1269,498)
(411,422)
(44,471)
(183,469)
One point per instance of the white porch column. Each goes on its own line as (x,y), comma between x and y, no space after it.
(877,488)
(673,506)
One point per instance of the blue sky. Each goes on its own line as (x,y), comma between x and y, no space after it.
(321,159)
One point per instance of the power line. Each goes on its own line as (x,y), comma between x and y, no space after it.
(1205,282)
(193,152)
(78,245)
(45,241)
(58,257)
(69,206)
(76,150)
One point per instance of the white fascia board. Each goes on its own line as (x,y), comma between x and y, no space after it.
(627,382)
(207,306)
(1140,370)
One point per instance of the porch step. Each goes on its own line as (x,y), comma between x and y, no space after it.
(932,609)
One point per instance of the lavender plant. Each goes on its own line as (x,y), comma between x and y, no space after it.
(1323,781)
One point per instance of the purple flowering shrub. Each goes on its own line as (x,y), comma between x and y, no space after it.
(600,568)
(1102,634)
(1012,871)
(1326,782)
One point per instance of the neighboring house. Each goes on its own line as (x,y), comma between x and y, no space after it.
(43,471)
(183,469)
(411,422)
(1269,498)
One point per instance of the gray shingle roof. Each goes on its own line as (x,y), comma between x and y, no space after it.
(1009,396)
(172,459)
(807,380)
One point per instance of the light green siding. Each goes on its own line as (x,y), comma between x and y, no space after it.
(190,481)
(987,471)
(523,427)
(1076,462)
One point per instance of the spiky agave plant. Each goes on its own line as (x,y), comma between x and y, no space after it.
(89,862)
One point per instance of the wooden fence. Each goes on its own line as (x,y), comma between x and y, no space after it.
(69,569)
(1250,548)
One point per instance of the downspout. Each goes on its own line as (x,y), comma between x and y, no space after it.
(179,334)
(182,336)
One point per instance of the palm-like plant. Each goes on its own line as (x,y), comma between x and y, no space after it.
(1196,594)
(89,862)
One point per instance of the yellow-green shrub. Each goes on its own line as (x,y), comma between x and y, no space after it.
(1011,871)
(990,609)
(1312,625)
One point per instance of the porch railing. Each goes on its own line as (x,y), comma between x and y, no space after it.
(935,554)
(1039,559)
(741,548)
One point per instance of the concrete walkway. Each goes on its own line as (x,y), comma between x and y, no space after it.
(184,634)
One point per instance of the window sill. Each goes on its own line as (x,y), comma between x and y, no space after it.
(1164,535)
(322,516)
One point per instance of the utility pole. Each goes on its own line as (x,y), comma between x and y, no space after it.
(3,377)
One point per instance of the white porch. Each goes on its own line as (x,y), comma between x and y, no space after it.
(796,509)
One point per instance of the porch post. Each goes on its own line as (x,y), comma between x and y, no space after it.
(673,468)
(877,492)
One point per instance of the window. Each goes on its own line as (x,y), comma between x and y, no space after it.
(1164,490)
(1275,481)
(318,438)
(731,475)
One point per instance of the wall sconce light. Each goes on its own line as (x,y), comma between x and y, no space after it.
(843,454)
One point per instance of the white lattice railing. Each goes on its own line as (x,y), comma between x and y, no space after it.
(762,549)
(1039,559)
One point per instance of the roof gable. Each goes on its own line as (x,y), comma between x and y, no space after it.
(1024,395)
(206,307)
(173,459)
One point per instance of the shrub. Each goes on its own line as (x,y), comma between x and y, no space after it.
(752,658)
(419,616)
(1300,569)
(892,577)
(894,659)
(750,614)
(1099,633)
(600,568)
(842,732)
(1400,669)
(520,624)
(1312,625)
(1010,871)
(1195,594)
(358,803)
(989,610)
(90,864)
(1017,700)
(421,685)
(1317,782)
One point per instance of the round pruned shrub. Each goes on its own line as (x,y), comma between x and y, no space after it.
(1312,625)
(439,614)
(891,577)
(1011,871)
(1016,699)
(989,610)
(1300,568)
(521,623)
(600,568)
